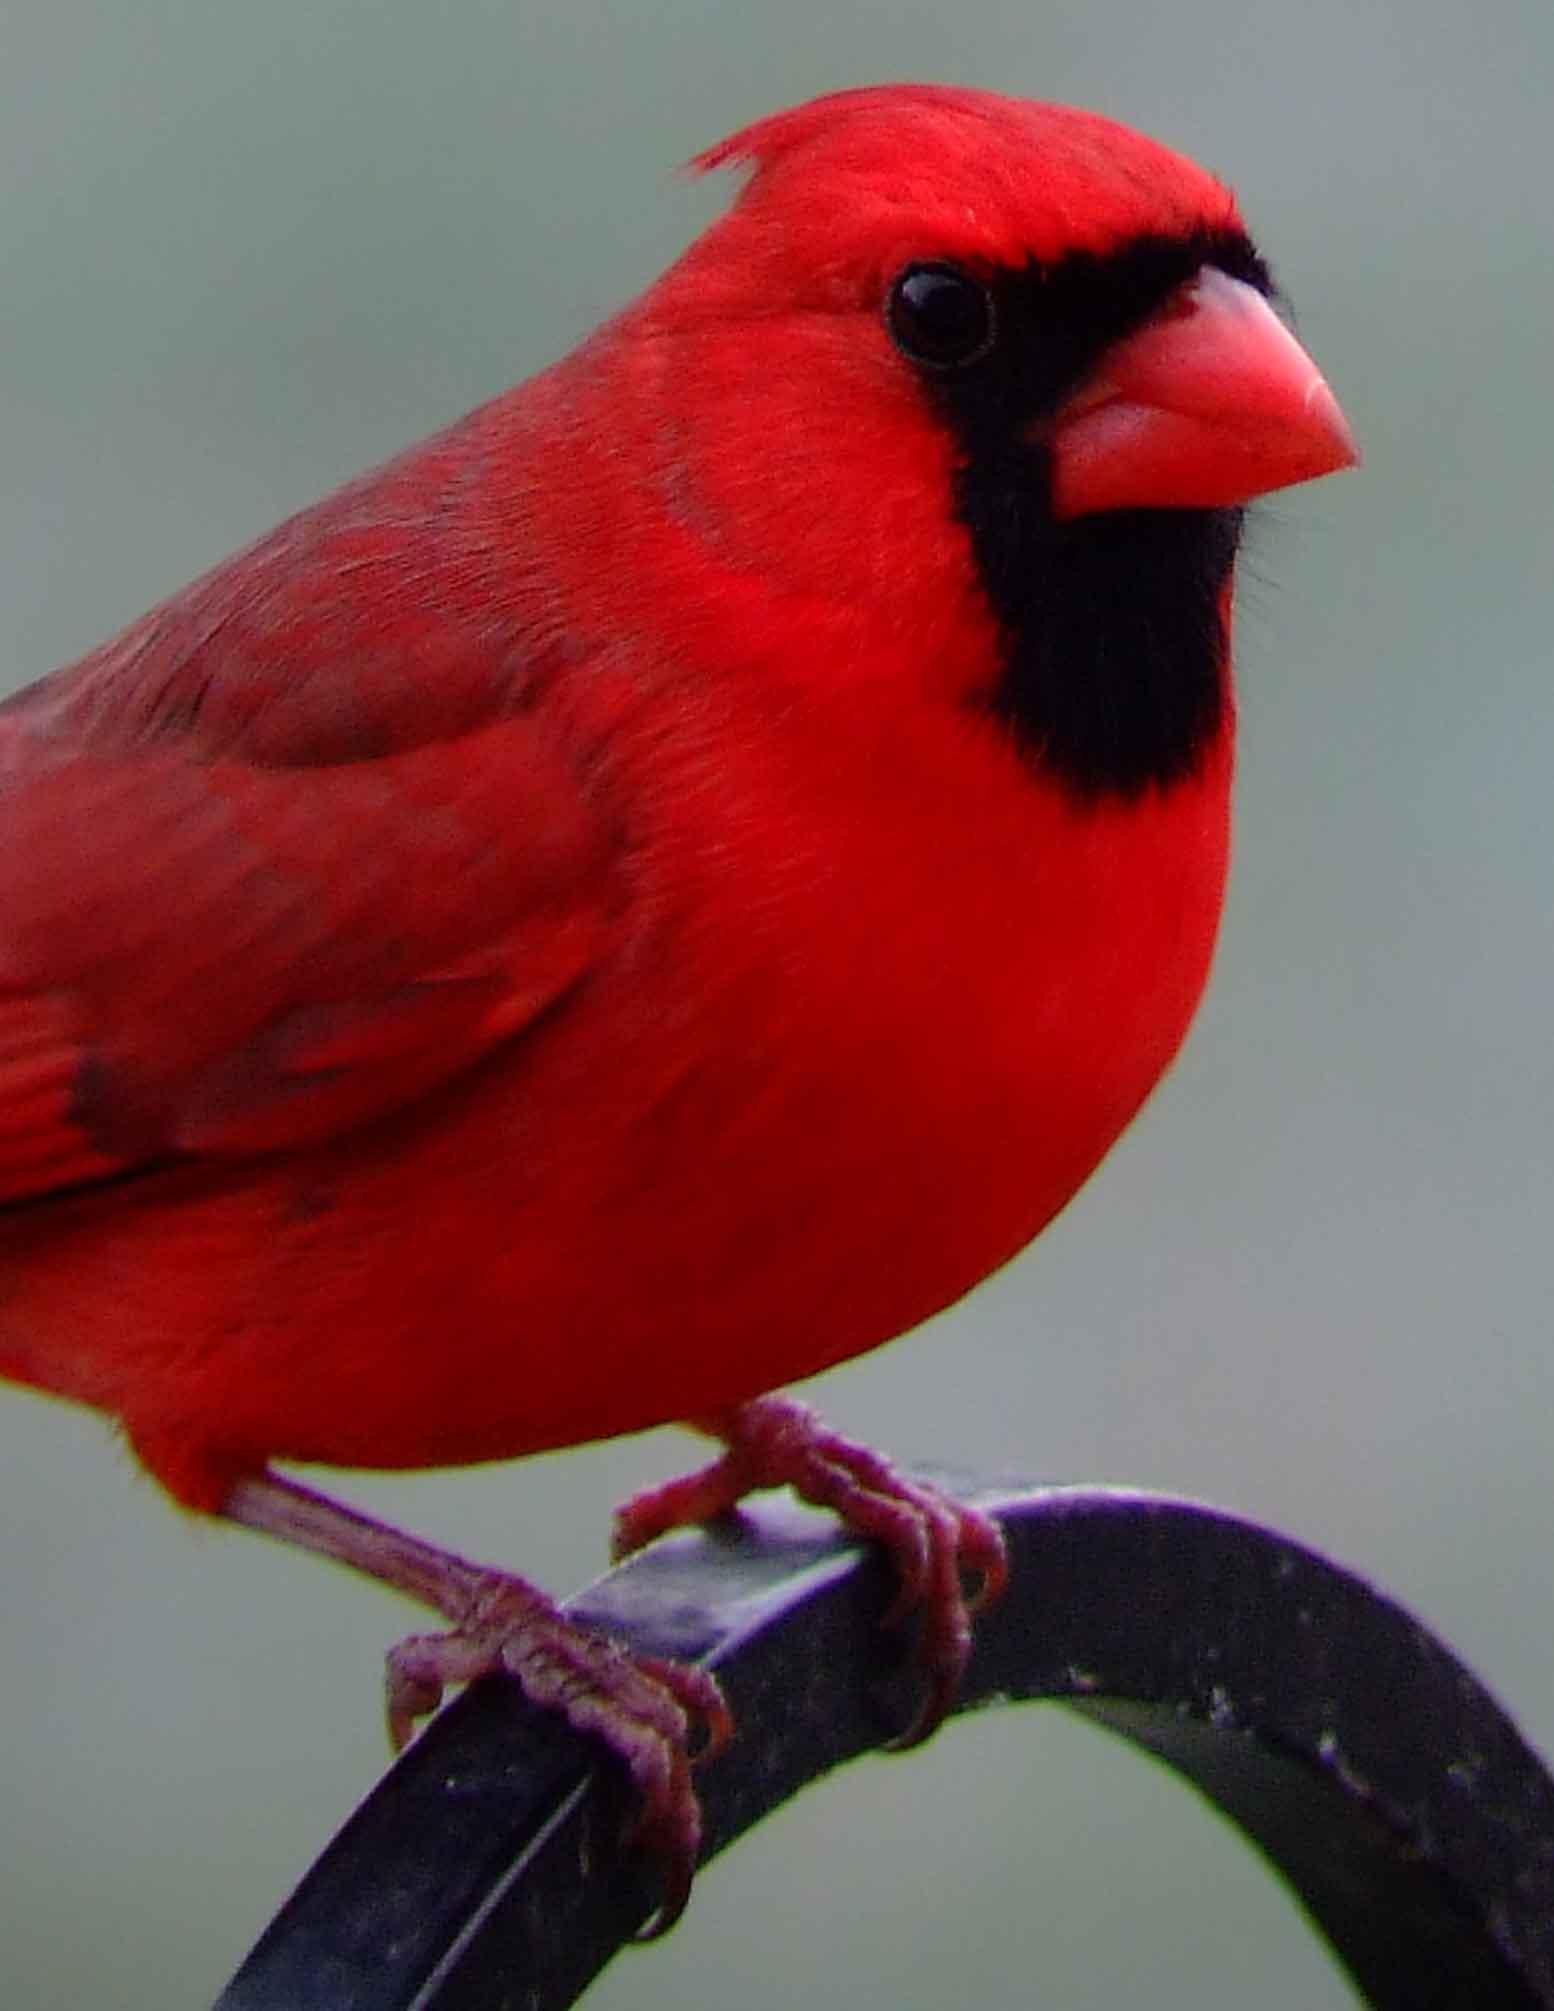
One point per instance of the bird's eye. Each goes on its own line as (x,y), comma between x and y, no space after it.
(940,316)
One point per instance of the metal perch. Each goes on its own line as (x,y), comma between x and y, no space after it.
(1378,1776)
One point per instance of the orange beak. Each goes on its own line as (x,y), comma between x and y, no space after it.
(1212,402)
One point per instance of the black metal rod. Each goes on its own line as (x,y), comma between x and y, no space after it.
(1377,1775)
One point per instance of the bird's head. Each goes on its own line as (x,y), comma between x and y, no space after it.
(1001,374)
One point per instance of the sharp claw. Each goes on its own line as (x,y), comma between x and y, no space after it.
(718,1730)
(992,1581)
(987,1560)
(408,1699)
(938,1696)
(672,1903)
(668,1825)
(700,1697)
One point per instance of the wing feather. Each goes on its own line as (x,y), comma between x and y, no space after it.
(212,956)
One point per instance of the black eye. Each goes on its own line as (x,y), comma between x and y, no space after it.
(940,316)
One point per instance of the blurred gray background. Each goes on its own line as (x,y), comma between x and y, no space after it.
(248,250)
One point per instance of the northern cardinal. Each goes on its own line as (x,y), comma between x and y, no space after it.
(661,887)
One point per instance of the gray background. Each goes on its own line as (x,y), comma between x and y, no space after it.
(248,250)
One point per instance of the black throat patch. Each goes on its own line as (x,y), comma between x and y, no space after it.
(1113,677)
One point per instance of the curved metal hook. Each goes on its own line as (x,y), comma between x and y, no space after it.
(1379,1777)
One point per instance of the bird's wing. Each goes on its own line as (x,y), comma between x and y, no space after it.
(204,954)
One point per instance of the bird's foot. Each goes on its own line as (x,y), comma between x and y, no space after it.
(659,1717)
(649,1712)
(934,1541)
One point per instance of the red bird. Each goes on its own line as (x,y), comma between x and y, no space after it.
(663,886)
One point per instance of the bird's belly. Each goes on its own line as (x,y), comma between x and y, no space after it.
(689,1185)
